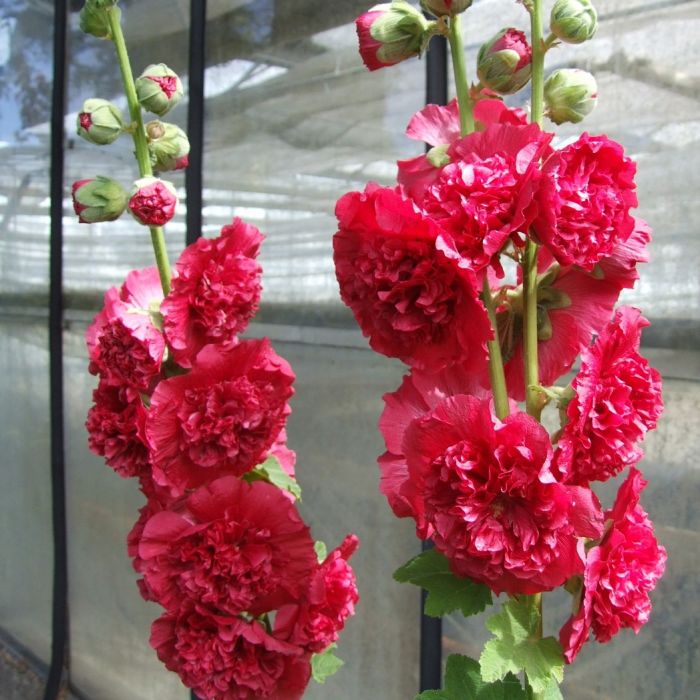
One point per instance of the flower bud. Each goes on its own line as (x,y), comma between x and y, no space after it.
(100,121)
(98,199)
(168,146)
(440,8)
(504,62)
(570,94)
(153,201)
(390,33)
(573,21)
(159,89)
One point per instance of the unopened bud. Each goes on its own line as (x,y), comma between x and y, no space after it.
(570,94)
(390,33)
(159,89)
(573,21)
(100,121)
(153,201)
(168,146)
(98,199)
(440,8)
(504,62)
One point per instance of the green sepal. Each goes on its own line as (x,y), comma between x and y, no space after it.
(446,592)
(321,550)
(325,664)
(517,647)
(271,471)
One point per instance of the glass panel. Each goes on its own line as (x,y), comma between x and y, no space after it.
(649,104)
(26,37)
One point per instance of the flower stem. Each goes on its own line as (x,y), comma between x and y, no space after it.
(466,109)
(538,52)
(496,371)
(138,133)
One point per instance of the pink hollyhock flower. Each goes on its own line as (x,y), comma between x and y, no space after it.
(573,306)
(620,574)
(618,399)
(124,345)
(229,658)
(439,127)
(153,201)
(496,511)
(419,393)
(215,292)
(221,418)
(230,547)
(330,601)
(408,298)
(115,424)
(484,196)
(588,191)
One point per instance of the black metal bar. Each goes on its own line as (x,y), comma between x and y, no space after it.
(59,621)
(195,118)
(431,627)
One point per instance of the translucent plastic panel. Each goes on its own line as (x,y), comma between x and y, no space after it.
(294,120)
(26,545)
(26,33)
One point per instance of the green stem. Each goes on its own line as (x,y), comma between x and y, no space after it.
(538,52)
(466,109)
(496,372)
(138,133)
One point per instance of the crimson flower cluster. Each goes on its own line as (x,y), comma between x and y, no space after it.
(192,411)
(507,503)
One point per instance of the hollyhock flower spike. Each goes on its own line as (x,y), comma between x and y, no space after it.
(390,33)
(153,201)
(617,401)
(267,561)
(495,509)
(621,571)
(215,292)
(229,658)
(221,418)
(409,299)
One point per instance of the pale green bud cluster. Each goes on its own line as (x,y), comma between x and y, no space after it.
(167,145)
(401,30)
(100,122)
(158,89)
(570,94)
(573,21)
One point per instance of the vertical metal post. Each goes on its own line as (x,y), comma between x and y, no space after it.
(59,622)
(195,118)
(431,627)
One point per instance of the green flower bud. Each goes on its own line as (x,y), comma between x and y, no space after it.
(505,61)
(158,89)
(100,121)
(570,94)
(168,146)
(94,18)
(100,199)
(573,21)
(391,33)
(440,8)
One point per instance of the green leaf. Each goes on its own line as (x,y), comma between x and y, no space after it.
(321,550)
(446,592)
(516,647)
(463,681)
(271,471)
(325,664)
